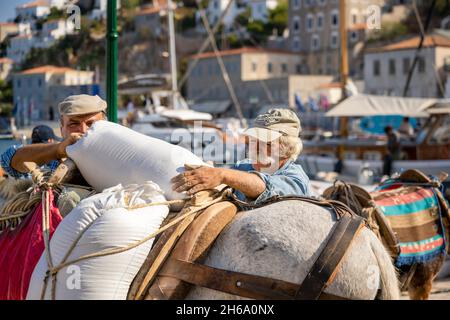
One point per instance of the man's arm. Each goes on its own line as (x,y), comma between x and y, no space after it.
(41,153)
(204,178)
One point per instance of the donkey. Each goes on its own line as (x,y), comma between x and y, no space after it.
(282,241)
(417,278)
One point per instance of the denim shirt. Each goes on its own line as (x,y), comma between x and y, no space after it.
(6,158)
(290,179)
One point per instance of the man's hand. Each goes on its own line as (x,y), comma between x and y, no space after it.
(61,149)
(196,180)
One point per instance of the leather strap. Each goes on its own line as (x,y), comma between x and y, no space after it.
(338,207)
(326,266)
(235,283)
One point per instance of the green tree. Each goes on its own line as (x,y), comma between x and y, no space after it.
(278,17)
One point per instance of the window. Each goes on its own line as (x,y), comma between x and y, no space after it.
(254,66)
(315,42)
(354,16)
(392,67)
(284,68)
(310,22)
(296,4)
(335,18)
(447,64)
(269,67)
(39,83)
(296,24)
(406,65)
(296,46)
(354,36)
(421,63)
(334,39)
(18,83)
(376,68)
(320,21)
(298,68)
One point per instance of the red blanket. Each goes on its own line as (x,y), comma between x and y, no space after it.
(20,250)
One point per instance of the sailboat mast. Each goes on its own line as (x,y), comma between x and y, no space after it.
(344,72)
(344,47)
(172,52)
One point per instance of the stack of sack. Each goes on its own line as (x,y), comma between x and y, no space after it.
(127,169)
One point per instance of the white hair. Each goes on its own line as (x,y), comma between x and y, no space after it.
(290,147)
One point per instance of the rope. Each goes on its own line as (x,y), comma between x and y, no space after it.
(189,207)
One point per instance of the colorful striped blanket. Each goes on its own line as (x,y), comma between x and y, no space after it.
(414,214)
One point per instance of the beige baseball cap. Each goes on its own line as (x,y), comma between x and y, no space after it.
(81,104)
(273,124)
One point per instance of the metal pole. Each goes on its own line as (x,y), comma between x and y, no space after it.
(173,54)
(111,60)
(344,72)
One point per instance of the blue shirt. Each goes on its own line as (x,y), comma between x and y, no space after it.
(6,158)
(290,179)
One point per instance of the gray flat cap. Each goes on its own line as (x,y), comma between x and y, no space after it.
(81,104)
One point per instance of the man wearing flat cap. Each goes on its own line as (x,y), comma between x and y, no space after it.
(274,145)
(78,113)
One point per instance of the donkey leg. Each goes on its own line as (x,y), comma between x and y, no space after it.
(422,280)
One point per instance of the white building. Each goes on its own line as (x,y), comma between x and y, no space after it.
(386,68)
(99,9)
(33,93)
(19,47)
(32,10)
(6,66)
(60,4)
(56,29)
(22,44)
(259,11)
(260,8)
(260,77)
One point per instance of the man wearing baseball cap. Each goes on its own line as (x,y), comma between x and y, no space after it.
(43,134)
(274,145)
(78,113)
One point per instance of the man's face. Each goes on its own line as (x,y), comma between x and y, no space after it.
(79,123)
(264,155)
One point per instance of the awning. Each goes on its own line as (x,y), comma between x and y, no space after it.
(187,115)
(369,105)
(213,107)
(440,108)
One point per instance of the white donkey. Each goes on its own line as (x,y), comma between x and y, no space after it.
(282,241)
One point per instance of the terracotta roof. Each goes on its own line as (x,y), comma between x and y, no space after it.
(25,36)
(8,24)
(6,60)
(149,10)
(47,69)
(358,26)
(160,3)
(239,51)
(429,42)
(37,3)
(332,85)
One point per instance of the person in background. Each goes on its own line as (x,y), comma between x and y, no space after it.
(43,134)
(393,149)
(406,128)
(274,145)
(78,113)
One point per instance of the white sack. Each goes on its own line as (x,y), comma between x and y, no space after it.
(108,225)
(110,154)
